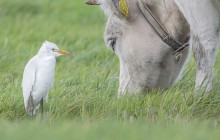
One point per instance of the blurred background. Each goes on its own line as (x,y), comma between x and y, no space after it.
(74,26)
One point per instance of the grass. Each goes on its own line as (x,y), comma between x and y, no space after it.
(107,130)
(83,103)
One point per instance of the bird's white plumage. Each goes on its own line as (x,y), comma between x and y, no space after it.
(28,79)
(38,76)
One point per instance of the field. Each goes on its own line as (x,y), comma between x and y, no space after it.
(83,103)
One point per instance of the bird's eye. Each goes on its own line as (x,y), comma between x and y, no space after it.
(53,49)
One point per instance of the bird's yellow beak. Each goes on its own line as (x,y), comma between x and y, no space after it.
(62,52)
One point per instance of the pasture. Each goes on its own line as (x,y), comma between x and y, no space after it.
(83,103)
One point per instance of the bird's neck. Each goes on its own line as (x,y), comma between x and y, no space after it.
(45,56)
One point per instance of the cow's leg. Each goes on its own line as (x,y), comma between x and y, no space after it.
(204,52)
(203,17)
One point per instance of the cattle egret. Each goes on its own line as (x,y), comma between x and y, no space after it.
(38,77)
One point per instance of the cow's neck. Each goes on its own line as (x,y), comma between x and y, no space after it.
(170,17)
(167,13)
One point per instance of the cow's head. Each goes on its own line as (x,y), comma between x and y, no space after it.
(145,60)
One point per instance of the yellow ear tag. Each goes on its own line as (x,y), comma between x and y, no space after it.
(123,7)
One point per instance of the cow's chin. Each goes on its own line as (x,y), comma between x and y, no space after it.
(142,69)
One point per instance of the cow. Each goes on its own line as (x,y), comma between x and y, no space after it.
(147,61)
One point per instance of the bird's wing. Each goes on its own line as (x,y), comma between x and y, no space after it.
(29,78)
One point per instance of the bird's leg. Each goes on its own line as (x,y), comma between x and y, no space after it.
(30,106)
(42,105)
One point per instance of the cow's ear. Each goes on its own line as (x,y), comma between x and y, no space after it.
(92,2)
(122,6)
(116,3)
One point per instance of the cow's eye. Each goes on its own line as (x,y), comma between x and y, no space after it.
(113,43)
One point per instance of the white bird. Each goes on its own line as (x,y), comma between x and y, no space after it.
(38,76)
